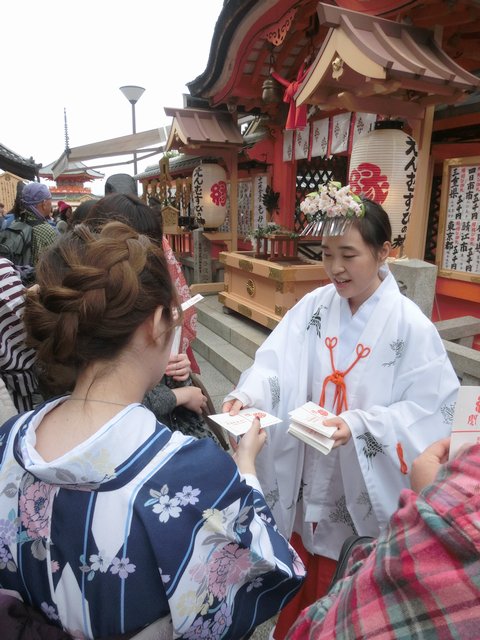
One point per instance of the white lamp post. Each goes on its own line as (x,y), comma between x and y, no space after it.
(133,95)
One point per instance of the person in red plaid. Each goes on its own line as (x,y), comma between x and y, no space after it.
(419,579)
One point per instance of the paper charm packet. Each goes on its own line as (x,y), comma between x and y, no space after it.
(307,425)
(241,423)
(466,419)
(312,415)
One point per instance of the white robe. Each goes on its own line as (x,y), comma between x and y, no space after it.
(403,394)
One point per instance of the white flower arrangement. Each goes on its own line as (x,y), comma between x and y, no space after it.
(332,201)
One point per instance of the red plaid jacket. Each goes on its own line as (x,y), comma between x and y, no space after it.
(422,577)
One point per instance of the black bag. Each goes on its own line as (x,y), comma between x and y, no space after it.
(16,243)
(345,553)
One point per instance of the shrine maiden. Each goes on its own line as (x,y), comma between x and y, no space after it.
(367,353)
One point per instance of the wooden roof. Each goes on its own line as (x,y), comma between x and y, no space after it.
(375,65)
(18,165)
(192,128)
(250,34)
(73,169)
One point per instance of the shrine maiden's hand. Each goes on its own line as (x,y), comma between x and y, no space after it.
(249,446)
(232,407)
(178,367)
(426,466)
(343,434)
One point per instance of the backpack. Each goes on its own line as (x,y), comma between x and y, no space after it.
(16,243)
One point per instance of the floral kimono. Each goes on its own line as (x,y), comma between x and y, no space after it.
(400,394)
(137,524)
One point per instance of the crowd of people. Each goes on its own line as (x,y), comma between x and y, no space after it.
(111,520)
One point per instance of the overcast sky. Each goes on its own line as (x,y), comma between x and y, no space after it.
(75,56)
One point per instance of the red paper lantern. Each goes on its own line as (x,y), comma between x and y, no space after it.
(383,167)
(209,194)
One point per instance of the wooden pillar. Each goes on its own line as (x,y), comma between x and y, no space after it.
(417,228)
(284,181)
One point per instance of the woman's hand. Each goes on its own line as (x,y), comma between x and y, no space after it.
(343,434)
(191,398)
(249,447)
(426,466)
(178,367)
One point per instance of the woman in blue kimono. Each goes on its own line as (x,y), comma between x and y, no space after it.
(109,522)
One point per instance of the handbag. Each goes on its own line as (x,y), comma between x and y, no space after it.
(345,554)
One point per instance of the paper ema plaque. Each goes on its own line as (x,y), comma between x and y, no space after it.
(459,225)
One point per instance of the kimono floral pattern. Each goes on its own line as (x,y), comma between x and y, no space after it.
(35,505)
(225,564)
(101,563)
(8,535)
(171,507)
(207,533)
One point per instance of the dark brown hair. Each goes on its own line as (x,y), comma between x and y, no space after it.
(129,209)
(95,290)
(374,226)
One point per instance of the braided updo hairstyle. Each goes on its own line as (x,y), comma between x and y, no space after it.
(95,290)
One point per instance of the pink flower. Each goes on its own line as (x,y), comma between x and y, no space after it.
(35,508)
(228,566)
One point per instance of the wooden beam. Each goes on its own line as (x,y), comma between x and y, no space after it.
(424,86)
(446,151)
(387,106)
(463,120)
(434,99)
(375,88)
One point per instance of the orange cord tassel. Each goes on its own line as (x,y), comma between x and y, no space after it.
(403,464)
(338,377)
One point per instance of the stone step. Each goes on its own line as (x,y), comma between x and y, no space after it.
(221,354)
(235,329)
(227,341)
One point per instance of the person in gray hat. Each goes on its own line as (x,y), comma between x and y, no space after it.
(36,201)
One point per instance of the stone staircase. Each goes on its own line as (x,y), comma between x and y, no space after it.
(228,341)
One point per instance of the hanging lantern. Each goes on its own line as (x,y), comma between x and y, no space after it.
(209,194)
(383,167)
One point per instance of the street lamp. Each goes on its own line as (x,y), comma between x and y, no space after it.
(133,95)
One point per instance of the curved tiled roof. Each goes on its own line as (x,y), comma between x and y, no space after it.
(18,165)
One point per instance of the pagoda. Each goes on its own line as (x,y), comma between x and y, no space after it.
(70,184)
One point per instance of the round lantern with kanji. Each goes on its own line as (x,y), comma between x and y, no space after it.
(383,167)
(209,194)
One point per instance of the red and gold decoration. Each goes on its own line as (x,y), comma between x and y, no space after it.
(209,194)
(383,168)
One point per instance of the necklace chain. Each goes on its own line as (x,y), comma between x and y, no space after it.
(119,404)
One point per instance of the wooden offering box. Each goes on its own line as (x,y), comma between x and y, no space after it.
(264,291)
